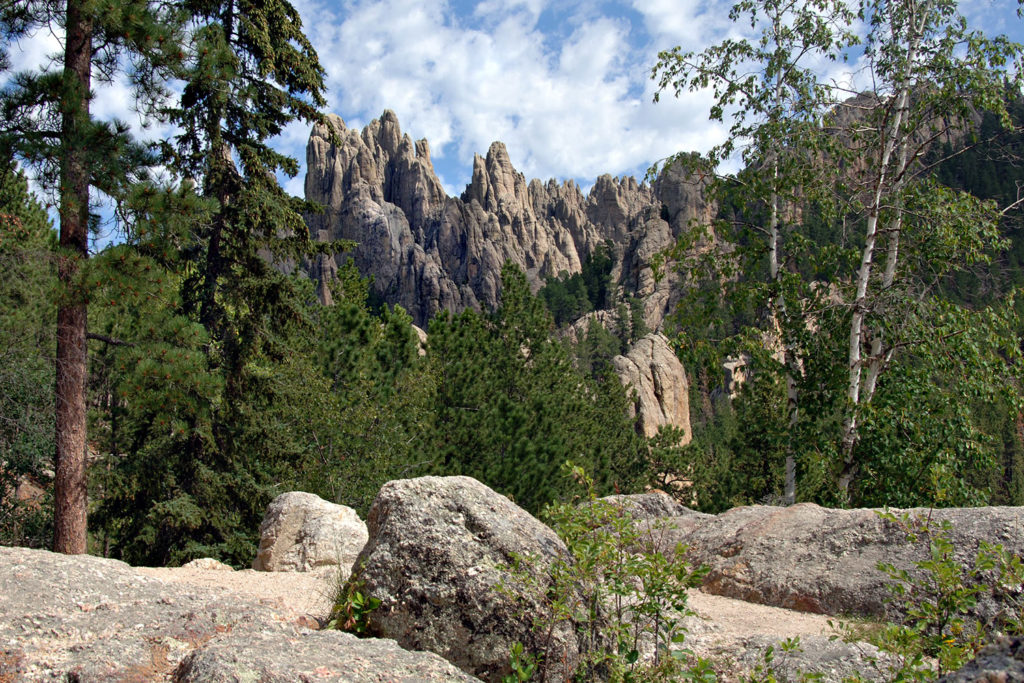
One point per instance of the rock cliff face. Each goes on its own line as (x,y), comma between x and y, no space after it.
(429,252)
(658,381)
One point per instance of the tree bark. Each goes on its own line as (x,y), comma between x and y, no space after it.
(70,495)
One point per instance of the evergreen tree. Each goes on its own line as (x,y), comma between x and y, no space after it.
(511,407)
(47,123)
(380,398)
(27,343)
(196,479)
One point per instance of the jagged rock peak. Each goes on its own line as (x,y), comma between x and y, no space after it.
(430,252)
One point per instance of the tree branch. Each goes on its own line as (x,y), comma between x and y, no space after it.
(108,340)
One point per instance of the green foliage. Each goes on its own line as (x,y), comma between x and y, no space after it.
(523,664)
(351,611)
(840,276)
(510,406)
(139,39)
(570,297)
(942,630)
(771,668)
(212,423)
(26,359)
(379,404)
(622,589)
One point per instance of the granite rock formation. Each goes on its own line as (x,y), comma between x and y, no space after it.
(814,559)
(91,619)
(429,252)
(658,381)
(439,548)
(303,532)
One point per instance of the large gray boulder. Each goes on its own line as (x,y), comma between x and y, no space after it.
(302,532)
(93,620)
(438,553)
(809,558)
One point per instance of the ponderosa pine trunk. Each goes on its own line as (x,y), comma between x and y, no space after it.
(70,496)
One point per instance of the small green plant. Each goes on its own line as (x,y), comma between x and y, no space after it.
(623,589)
(352,610)
(524,665)
(700,670)
(773,669)
(941,630)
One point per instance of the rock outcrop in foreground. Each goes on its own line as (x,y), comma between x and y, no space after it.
(91,619)
(814,559)
(430,252)
(439,549)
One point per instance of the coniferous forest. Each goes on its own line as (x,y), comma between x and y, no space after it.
(156,394)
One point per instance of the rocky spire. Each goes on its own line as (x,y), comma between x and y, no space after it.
(429,252)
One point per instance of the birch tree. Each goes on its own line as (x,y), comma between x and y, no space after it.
(768,87)
(856,159)
(931,78)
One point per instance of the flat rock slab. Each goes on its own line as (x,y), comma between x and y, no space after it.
(94,619)
(317,655)
(813,559)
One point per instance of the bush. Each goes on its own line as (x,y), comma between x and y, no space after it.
(622,589)
(943,629)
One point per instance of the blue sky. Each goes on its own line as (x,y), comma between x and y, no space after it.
(563,83)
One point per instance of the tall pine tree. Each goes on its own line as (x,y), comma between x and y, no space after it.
(47,123)
(197,482)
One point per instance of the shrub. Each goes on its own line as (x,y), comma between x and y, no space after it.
(622,589)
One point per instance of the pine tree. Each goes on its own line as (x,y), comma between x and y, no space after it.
(26,358)
(47,124)
(197,480)
(511,407)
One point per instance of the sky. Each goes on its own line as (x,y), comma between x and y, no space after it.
(565,84)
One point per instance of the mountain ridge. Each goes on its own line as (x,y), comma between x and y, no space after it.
(429,252)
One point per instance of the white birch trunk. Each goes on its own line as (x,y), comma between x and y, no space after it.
(892,141)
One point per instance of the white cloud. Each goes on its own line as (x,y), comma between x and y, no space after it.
(576,106)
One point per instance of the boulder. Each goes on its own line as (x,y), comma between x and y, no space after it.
(658,380)
(302,532)
(999,662)
(652,505)
(809,558)
(93,620)
(315,656)
(438,555)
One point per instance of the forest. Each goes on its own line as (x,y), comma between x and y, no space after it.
(155,395)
